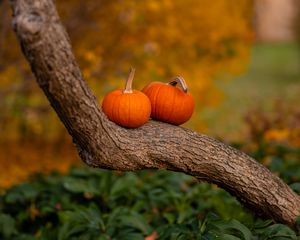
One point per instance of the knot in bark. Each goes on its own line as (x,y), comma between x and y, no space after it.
(28,24)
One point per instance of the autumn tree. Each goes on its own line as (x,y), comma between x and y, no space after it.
(101,143)
(199,40)
(196,39)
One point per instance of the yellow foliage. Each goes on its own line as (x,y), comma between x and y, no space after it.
(21,159)
(197,39)
(162,39)
(280,125)
(278,135)
(290,136)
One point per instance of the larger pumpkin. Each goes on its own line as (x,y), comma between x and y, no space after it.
(169,103)
(127,108)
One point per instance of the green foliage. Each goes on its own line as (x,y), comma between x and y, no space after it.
(100,204)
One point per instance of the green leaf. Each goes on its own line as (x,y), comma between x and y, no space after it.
(298,224)
(136,221)
(7,225)
(236,225)
(213,225)
(21,193)
(81,185)
(296,187)
(262,223)
(278,232)
(103,237)
(80,221)
(174,231)
(69,229)
(128,235)
(229,237)
(170,217)
(122,186)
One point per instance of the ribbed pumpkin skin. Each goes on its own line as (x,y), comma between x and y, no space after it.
(169,104)
(129,110)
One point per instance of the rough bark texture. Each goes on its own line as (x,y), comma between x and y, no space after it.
(156,145)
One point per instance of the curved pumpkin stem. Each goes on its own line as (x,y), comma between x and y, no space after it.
(128,85)
(181,82)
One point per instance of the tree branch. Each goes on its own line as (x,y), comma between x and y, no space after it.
(156,145)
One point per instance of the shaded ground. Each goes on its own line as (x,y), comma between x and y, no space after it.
(273,74)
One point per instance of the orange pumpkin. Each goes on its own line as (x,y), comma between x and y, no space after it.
(127,108)
(169,103)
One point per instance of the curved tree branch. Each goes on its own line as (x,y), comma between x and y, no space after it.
(156,145)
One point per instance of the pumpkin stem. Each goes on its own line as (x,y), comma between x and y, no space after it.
(128,85)
(181,82)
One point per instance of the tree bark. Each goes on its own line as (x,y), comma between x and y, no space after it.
(103,144)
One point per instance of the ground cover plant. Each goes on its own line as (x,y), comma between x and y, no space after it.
(100,204)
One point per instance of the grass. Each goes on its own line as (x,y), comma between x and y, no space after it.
(273,74)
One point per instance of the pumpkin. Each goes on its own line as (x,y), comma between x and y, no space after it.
(169,103)
(127,108)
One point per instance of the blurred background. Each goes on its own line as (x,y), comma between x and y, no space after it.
(240,60)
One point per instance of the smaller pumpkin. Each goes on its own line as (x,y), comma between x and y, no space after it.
(127,108)
(169,103)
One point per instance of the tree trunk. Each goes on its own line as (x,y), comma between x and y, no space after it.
(155,145)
